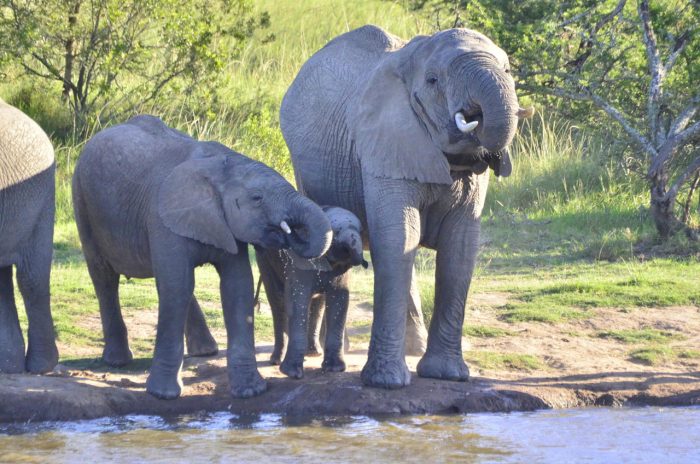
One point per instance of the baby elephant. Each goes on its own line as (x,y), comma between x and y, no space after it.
(27,186)
(152,202)
(291,282)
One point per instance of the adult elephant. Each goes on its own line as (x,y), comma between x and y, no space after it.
(27,187)
(402,134)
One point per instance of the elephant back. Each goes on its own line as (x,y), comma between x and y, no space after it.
(314,115)
(25,149)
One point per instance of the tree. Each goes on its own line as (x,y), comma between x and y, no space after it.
(113,55)
(635,62)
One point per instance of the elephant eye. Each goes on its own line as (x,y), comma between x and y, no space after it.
(257,198)
(432,80)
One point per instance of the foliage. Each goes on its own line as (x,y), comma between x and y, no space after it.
(633,62)
(110,56)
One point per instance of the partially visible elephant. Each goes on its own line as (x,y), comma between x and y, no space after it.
(403,134)
(27,208)
(293,284)
(152,202)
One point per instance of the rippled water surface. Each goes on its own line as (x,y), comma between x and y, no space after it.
(650,435)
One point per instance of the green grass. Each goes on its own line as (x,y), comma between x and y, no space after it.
(652,355)
(638,336)
(560,236)
(484,331)
(657,354)
(547,290)
(501,361)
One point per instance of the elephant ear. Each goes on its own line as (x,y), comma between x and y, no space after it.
(390,140)
(190,205)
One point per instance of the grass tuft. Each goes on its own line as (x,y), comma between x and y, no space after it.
(638,336)
(500,361)
(484,331)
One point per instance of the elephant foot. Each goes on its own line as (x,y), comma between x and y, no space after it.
(41,361)
(11,347)
(390,373)
(12,359)
(275,358)
(333,364)
(117,355)
(293,369)
(314,350)
(201,347)
(439,366)
(165,387)
(247,385)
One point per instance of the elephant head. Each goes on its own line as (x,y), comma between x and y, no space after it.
(218,197)
(346,248)
(438,103)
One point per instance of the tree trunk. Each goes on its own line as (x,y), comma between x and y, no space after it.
(662,207)
(70,50)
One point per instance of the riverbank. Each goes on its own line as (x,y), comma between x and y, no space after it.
(578,371)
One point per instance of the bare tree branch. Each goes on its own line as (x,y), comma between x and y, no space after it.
(656,71)
(683,119)
(690,170)
(678,48)
(690,134)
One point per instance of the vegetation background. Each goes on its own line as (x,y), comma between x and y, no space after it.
(570,231)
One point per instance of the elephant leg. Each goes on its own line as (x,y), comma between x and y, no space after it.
(33,280)
(279,322)
(298,294)
(237,300)
(337,300)
(316,326)
(394,232)
(454,267)
(175,285)
(116,351)
(11,340)
(200,341)
(416,334)
(271,268)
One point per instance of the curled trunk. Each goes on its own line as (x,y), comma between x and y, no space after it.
(311,231)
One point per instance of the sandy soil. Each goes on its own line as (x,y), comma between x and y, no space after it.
(576,368)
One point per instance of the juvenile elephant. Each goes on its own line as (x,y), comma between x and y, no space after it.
(402,134)
(292,282)
(152,202)
(27,184)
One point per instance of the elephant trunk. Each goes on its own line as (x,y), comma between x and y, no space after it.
(310,231)
(490,101)
(499,107)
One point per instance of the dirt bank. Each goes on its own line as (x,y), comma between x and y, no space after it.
(75,394)
(527,366)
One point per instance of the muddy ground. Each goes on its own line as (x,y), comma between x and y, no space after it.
(575,367)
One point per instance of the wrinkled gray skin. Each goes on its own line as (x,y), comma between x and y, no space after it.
(152,202)
(299,285)
(27,173)
(370,123)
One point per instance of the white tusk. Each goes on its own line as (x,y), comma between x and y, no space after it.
(285,227)
(463,125)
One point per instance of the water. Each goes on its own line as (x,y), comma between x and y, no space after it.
(652,435)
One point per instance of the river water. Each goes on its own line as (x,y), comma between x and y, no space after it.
(644,435)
